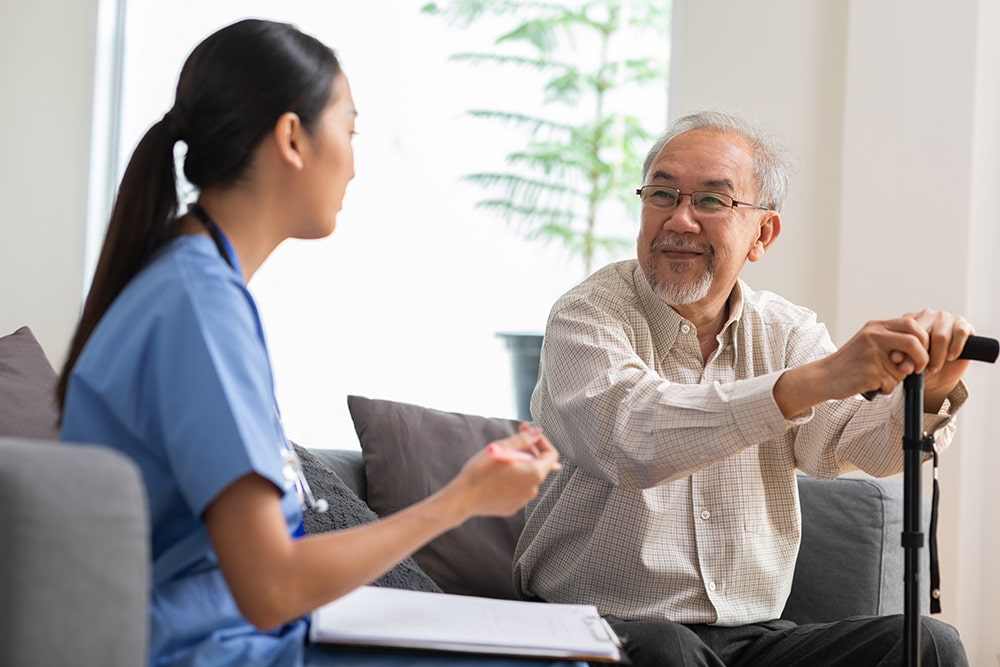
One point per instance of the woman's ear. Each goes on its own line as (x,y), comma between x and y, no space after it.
(289,137)
(770,229)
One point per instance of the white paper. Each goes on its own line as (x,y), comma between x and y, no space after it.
(373,616)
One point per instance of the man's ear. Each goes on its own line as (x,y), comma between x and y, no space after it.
(289,138)
(770,229)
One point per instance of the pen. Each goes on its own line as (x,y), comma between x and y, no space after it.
(612,635)
(501,453)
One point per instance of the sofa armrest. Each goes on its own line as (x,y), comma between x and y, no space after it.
(74,554)
(850,561)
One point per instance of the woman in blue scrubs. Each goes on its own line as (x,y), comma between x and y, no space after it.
(169,363)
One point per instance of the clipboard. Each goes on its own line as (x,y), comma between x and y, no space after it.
(394,618)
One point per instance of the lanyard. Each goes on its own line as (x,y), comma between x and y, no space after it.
(221,242)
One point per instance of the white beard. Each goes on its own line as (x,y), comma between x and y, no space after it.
(677,294)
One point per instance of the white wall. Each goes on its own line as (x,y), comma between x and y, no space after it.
(779,63)
(980,457)
(892,109)
(47,53)
(918,122)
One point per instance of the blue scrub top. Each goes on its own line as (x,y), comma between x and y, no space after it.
(177,376)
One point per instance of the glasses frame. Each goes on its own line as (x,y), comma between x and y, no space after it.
(691,195)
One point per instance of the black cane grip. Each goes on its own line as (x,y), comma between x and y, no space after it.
(977,348)
(981,348)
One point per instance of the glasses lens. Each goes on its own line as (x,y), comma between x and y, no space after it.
(660,197)
(711,202)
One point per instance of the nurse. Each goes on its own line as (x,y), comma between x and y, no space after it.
(169,365)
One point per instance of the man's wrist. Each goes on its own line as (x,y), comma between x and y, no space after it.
(793,393)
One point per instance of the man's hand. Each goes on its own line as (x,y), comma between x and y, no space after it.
(879,357)
(947,334)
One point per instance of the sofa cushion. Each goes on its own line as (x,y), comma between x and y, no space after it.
(27,388)
(850,562)
(410,452)
(346,510)
(349,466)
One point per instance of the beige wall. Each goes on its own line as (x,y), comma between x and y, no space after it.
(47,53)
(785,70)
(892,109)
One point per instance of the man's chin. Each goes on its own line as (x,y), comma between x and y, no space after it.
(682,293)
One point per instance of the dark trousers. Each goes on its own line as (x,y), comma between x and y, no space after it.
(338,656)
(853,642)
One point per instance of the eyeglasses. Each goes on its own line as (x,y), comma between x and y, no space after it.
(707,203)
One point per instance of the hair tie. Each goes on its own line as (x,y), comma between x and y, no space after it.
(172,124)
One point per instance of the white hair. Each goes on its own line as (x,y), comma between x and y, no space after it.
(771,168)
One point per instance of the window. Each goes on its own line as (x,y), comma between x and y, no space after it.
(404,301)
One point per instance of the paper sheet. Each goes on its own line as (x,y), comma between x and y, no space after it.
(372,616)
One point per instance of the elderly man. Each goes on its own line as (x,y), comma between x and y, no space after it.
(683,403)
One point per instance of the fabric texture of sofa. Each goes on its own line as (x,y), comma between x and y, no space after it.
(74,533)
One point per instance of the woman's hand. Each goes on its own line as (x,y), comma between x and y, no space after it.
(500,479)
(274,578)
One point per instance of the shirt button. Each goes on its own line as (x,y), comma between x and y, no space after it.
(711,585)
(705,514)
(685,328)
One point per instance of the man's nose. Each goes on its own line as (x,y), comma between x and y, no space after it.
(682,217)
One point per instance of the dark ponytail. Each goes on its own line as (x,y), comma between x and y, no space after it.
(232,89)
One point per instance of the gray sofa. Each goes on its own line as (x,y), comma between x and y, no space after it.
(74,533)
(74,556)
(850,561)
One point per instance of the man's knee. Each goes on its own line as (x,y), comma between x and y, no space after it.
(656,643)
(941,645)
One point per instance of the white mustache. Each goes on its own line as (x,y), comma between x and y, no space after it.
(678,242)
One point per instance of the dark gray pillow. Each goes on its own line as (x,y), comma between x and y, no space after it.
(410,452)
(27,388)
(346,510)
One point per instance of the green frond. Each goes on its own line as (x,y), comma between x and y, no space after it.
(566,88)
(534,123)
(567,172)
(525,192)
(539,64)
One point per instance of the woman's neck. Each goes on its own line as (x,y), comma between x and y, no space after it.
(245,221)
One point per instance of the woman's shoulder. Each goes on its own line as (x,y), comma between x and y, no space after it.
(188,273)
(189,262)
(185,289)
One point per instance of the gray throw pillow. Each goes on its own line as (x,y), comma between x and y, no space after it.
(346,510)
(27,388)
(410,452)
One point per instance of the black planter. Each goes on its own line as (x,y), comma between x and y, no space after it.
(525,353)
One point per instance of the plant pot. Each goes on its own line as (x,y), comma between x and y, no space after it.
(525,353)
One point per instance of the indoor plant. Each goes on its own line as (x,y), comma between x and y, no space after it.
(573,180)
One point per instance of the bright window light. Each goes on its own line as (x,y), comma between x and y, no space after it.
(404,301)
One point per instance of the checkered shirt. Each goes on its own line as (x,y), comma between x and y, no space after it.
(677,500)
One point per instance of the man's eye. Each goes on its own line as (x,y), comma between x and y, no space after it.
(712,201)
(665,195)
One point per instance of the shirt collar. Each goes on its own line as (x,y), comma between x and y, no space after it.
(662,318)
(729,329)
(665,319)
